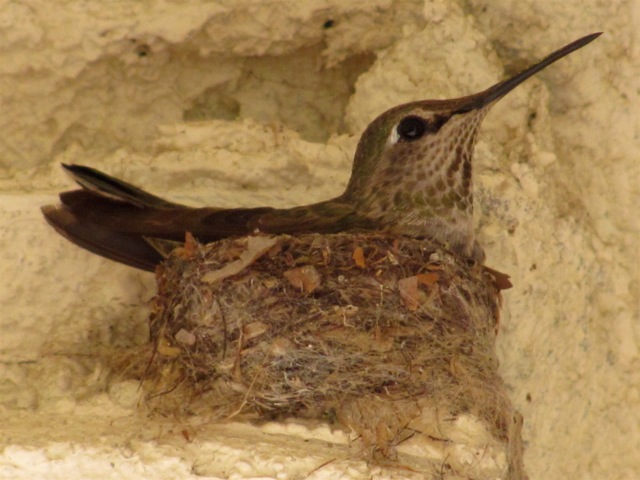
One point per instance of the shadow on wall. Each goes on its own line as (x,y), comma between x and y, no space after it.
(165,84)
(295,90)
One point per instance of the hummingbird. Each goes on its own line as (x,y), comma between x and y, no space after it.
(411,176)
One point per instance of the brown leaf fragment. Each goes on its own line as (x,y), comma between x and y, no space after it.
(185,337)
(254,329)
(186,250)
(190,244)
(275,250)
(281,347)
(305,278)
(435,267)
(186,434)
(408,289)
(427,279)
(256,247)
(500,280)
(358,256)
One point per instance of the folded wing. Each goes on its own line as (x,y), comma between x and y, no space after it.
(119,221)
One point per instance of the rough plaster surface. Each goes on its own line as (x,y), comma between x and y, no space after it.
(244,103)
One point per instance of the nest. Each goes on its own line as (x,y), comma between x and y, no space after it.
(375,332)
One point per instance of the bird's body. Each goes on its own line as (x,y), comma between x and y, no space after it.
(411,176)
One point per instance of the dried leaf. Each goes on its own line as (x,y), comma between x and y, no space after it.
(281,346)
(166,247)
(428,279)
(435,267)
(392,258)
(408,288)
(358,256)
(256,247)
(254,329)
(305,278)
(185,337)
(190,245)
(185,250)
(500,280)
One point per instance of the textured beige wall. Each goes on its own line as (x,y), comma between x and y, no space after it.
(110,84)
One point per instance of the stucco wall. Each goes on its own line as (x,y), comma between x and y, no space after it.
(241,102)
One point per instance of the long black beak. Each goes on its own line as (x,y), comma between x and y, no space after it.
(499,90)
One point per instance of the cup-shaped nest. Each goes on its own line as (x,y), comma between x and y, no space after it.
(385,335)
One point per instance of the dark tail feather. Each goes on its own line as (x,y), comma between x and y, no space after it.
(124,223)
(107,186)
(128,249)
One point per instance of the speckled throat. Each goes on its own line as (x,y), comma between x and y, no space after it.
(425,188)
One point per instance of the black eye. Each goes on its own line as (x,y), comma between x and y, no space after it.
(411,128)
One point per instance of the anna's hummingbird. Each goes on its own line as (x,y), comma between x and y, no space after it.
(411,176)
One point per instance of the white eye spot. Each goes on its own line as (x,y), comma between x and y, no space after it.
(393,137)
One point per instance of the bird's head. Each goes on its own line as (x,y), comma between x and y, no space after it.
(412,167)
